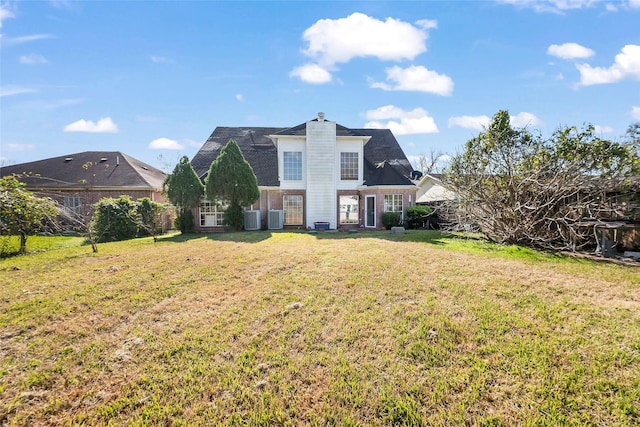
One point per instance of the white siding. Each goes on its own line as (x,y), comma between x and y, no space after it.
(321,173)
(292,145)
(349,146)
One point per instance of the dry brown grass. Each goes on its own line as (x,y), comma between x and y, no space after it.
(294,329)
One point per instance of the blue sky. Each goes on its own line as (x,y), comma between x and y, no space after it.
(153,79)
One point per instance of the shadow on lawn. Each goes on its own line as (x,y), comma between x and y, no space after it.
(420,236)
(230,236)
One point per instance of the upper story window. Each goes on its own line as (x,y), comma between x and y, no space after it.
(292,165)
(348,166)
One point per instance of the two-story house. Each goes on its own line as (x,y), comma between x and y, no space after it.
(317,174)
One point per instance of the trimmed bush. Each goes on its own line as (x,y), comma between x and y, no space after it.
(417,216)
(123,218)
(391,219)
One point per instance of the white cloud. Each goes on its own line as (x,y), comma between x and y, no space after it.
(470,122)
(634,3)
(12,41)
(104,125)
(5,13)
(334,41)
(311,73)
(626,65)
(33,59)
(416,121)
(416,78)
(570,51)
(239,97)
(555,6)
(602,129)
(635,112)
(165,144)
(524,119)
(9,90)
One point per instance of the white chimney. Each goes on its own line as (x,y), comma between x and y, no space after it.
(321,117)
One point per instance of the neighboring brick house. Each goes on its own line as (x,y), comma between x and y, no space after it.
(318,172)
(78,181)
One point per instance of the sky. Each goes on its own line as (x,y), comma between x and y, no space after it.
(153,79)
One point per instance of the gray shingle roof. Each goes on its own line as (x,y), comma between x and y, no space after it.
(257,148)
(107,169)
(385,162)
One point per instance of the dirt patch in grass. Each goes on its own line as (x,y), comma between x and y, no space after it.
(294,329)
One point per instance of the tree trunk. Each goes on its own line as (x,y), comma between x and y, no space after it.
(23,242)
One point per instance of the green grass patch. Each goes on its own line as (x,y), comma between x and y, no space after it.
(10,245)
(282,328)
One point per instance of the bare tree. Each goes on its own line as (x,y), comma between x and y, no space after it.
(430,164)
(517,188)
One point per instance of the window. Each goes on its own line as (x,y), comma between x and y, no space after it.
(349,210)
(348,166)
(292,164)
(292,206)
(211,214)
(73,205)
(393,203)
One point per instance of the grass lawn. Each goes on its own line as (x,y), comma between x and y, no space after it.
(262,328)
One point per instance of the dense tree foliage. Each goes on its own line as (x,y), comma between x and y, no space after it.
(183,188)
(21,211)
(123,218)
(519,188)
(418,216)
(232,183)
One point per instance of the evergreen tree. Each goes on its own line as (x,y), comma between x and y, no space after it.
(231,182)
(184,189)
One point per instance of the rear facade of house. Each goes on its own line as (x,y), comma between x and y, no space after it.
(315,175)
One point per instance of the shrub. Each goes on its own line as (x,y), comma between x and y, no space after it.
(391,219)
(149,217)
(184,221)
(123,218)
(417,215)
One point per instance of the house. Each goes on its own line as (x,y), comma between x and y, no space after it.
(318,174)
(431,190)
(78,181)
(433,193)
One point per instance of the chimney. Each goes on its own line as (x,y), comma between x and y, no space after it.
(321,117)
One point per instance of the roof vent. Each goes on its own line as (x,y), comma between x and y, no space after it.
(68,159)
(321,117)
(103,159)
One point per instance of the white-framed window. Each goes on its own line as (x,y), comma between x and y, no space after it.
(211,214)
(292,206)
(292,165)
(393,203)
(349,210)
(348,166)
(73,204)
